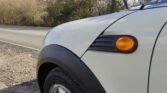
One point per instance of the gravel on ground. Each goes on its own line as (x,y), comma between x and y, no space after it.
(17,69)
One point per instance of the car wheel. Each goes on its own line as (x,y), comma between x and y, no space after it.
(59,82)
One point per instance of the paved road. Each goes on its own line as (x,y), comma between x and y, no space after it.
(30,37)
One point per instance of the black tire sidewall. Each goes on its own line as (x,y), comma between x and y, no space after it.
(57,76)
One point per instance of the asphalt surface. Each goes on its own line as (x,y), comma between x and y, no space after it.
(29,37)
(18,64)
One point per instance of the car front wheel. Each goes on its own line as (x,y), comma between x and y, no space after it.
(59,82)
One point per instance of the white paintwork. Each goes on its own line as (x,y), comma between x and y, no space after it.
(79,35)
(158,76)
(128,73)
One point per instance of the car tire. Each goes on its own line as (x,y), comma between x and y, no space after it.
(57,80)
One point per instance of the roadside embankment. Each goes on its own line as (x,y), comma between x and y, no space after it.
(17,69)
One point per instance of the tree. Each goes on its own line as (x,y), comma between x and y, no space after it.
(60,11)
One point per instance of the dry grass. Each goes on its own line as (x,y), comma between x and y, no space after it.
(20,12)
(55,12)
(18,69)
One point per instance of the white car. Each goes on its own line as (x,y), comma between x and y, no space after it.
(124,52)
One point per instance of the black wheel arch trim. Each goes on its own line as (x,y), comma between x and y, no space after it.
(71,64)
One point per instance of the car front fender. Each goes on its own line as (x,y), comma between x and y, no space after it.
(78,35)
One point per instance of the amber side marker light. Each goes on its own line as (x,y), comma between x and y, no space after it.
(126,44)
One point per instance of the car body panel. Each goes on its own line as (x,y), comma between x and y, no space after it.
(77,36)
(158,74)
(128,73)
(149,5)
(72,65)
(156,5)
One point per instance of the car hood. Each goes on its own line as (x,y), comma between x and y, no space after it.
(78,35)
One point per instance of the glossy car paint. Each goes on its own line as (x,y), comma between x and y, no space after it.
(158,75)
(128,73)
(77,36)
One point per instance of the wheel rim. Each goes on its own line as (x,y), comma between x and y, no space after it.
(57,88)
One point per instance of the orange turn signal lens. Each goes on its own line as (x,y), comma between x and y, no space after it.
(126,44)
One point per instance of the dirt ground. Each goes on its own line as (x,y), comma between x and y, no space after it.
(17,69)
